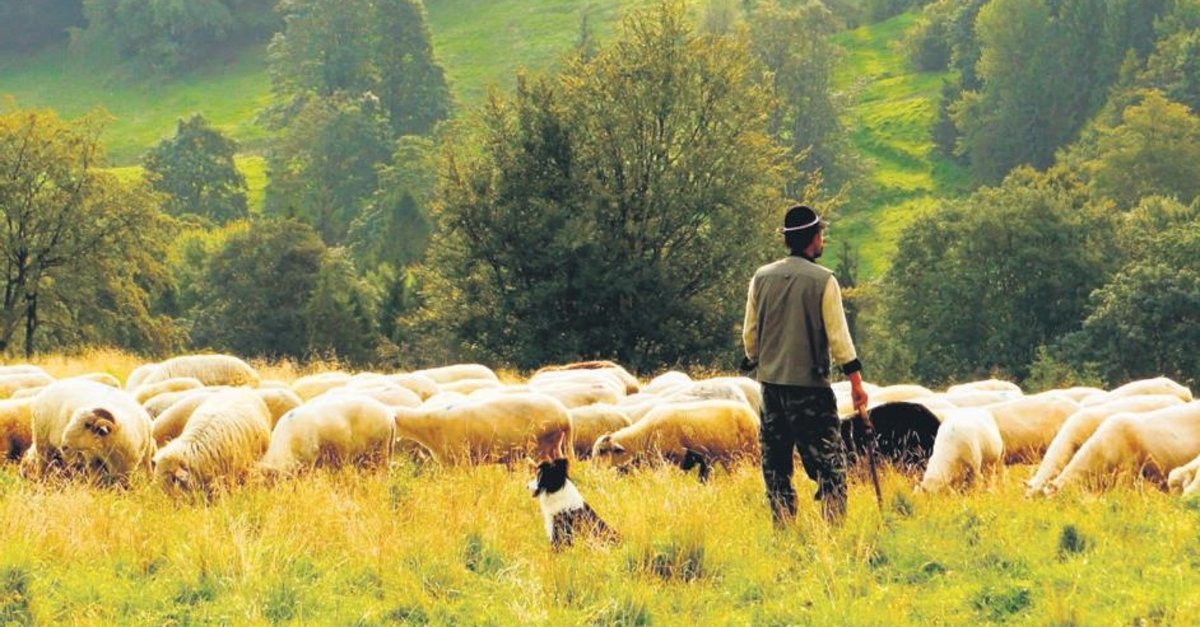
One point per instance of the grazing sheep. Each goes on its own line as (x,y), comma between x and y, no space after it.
(470,386)
(147,391)
(1158,385)
(593,369)
(591,422)
(214,369)
(496,429)
(1080,426)
(90,428)
(279,401)
(1081,393)
(750,388)
(686,434)
(16,427)
(313,385)
(968,446)
(1152,443)
(170,423)
(1183,480)
(100,377)
(422,385)
(666,382)
(904,434)
(898,392)
(459,372)
(580,394)
(986,385)
(12,383)
(223,439)
(1029,424)
(978,398)
(331,431)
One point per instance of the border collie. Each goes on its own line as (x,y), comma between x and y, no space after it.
(566,514)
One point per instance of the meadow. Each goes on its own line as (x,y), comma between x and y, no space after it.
(425,544)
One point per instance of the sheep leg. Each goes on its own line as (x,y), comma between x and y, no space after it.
(692,459)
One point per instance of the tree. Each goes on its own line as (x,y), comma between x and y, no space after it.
(79,247)
(255,288)
(394,226)
(1155,150)
(340,315)
(804,115)
(983,282)
(613,211)
(358,47)
(26,26)
(323,166)
(196,171)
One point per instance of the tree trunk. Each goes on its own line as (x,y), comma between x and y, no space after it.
(30,324)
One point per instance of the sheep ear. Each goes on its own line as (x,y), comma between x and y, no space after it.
(182,475)
(102,426)
(617,448)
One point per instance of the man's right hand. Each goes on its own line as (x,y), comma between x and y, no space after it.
(748,365)
(858,393)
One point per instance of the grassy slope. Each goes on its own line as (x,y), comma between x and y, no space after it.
(484,43)
(889,121)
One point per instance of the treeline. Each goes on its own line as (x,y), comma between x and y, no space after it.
(616,208)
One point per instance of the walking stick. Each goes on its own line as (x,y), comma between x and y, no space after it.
(869,430)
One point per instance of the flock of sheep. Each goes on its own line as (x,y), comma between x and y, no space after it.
(198,422)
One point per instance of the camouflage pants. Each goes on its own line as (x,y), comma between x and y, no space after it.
(803,419)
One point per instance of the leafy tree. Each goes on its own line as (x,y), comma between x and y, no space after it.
(323,166)
(1174,68)
(1155,150)
(804,115)
(196,171)
(394,226)
(81,250)
(614,211)
(983,282)
(255,288)
(927,42)
(356,47)
(340,314)
(26,26)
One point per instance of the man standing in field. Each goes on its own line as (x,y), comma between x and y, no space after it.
(794,320)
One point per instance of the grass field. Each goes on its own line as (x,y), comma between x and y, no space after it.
(423,544)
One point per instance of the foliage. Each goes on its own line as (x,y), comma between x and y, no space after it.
(340,314)
(254,290)
(331,47)
(81,250)
(804,112)
(614,211)
(196,172)
(26,26)
(394,227)
(983,282)
(170,37)
(1155,150)
(322,167)
(927,43)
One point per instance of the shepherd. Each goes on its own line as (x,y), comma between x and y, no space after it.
(794,322)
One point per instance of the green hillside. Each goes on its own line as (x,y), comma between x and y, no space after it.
(481,44)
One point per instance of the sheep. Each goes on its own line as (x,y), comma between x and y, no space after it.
(161,403)
(986,385)
(331,431)
(1153,443)
(22,369)
(16,429)
(469,386)
(279,401)
(499,429)
(750,388)
(1029,424)
(313,385)
(1080,426)
(147,391)
(904,434)
(84,426)
(210,369)
(898,392)
(580,394)
(978,398)
(606,369)
(11,383)
(591,422)
(422,385)
(1158,385)
(170,423)
(686,434)
(459,372)
(100,377)
(968,446)
(223,439)
(666,381)
(387,393)
(1183,480)
(1081,393)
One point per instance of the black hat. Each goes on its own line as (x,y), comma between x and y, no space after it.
(800,217)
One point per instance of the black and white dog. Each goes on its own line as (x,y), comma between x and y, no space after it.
(566,514)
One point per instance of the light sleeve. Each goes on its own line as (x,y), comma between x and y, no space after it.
(841,346)
(750,324)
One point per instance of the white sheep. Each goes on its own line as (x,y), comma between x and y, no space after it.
(968,447)
(16,428)
(147,391)
(313,385)
(458,372)
(1184,480)
(603,368)
(986,385)
(224,437)
(419,383)
(1029,424)
(84,426)
(12,383)
(498,429)
(1158,385)
(331,431)
(666,381)
(1152,443)
(686,434)
(1080,426)
(590,422)
(210,369)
